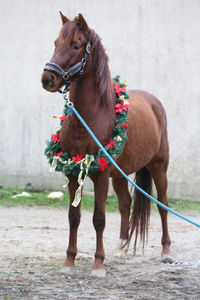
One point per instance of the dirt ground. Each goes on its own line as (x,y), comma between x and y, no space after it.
(32,251)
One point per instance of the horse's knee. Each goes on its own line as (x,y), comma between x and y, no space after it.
(74,218)
(99,222)
(124,207)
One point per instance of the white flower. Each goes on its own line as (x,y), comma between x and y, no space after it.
(118,138)
(122,98)
(124,82)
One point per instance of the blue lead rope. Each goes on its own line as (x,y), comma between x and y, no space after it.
(120,170)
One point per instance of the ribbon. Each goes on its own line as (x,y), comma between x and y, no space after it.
(55,162)
(66,183)
(87,161)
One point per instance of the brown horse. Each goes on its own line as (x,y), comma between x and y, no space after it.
(146,151)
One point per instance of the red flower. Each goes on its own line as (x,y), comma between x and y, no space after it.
(120,107)
(62,118)
(118,125)
(55,138)
(58,154)
(111,144)
(103,163)
(77,158)
(125,125)
(119,90)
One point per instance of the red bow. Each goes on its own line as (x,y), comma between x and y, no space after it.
(77,158)
(119,90)
(121,106)
(55,138)
(103,163)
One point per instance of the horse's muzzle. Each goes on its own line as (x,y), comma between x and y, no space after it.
(50,81)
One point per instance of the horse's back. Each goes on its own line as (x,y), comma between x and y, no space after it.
(146,130)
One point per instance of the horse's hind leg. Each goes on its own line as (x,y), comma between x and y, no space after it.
(158,171)
(120,186)
(74,220)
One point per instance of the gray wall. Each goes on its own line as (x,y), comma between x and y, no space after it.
(153,44)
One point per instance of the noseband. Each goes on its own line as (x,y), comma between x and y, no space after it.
(77,68)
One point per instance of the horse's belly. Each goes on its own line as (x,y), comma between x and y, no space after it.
(134,158)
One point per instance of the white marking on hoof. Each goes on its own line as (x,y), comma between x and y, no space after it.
(98,273)
(119,259)
(167,259)
(121,252)
(68,270)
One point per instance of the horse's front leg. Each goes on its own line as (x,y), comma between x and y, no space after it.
(74,220)
(101,182)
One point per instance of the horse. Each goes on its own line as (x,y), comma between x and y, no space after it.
(146,151)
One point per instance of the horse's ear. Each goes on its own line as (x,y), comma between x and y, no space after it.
(64,19)
(81,22)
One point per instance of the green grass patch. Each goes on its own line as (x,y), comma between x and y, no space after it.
(179,204)
(41,199)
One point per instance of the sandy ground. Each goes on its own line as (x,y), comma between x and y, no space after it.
(32,251)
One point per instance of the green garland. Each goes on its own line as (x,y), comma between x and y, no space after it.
(63,162)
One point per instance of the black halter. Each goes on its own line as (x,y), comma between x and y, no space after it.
(77,68)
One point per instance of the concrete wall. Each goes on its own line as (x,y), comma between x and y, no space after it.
(153,44)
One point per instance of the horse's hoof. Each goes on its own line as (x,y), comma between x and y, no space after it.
(119,259)
(68,270)
(98,273)
(166,259)
(119,256)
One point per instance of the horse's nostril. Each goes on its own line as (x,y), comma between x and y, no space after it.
(51,80)
(47,80)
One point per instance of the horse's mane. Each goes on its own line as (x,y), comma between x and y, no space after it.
(100,69)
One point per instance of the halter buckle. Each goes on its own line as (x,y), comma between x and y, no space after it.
(66,76)
(88,48)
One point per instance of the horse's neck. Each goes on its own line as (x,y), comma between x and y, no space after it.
(98,116)
(83,95)
(88,102)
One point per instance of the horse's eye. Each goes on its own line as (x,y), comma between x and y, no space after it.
(76,47)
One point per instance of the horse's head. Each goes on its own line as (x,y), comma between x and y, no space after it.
(70,49)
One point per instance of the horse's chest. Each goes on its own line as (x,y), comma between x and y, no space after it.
(74,139)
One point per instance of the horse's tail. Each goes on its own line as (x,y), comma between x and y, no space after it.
(139,221)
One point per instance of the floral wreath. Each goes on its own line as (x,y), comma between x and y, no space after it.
(88,165)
